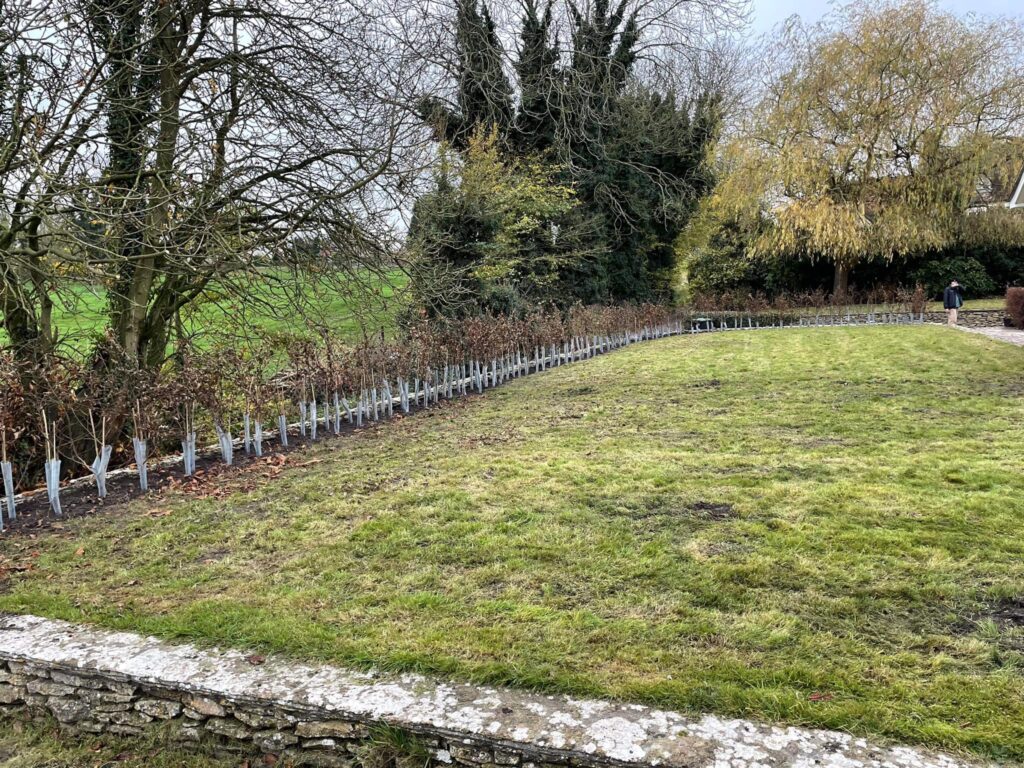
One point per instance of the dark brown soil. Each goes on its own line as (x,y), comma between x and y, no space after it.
(1007,613)
(712,511)
(1008,616)
(579,391)
(78,496)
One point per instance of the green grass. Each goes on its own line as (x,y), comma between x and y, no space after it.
(31,745)
(806,526)
(996,302)
(363,303)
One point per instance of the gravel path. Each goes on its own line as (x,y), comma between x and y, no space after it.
(999,333)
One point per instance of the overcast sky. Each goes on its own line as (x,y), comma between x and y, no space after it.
(768,13)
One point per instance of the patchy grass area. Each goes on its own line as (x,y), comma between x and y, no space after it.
(35,746)
(816,526)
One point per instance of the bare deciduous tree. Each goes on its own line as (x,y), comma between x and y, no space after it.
(154,147)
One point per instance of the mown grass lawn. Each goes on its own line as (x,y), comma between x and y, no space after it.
(812,526)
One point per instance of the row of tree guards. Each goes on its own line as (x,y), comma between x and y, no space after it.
(81,412)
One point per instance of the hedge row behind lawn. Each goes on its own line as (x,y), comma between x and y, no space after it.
(1015,306)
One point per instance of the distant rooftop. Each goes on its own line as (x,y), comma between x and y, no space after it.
(1017,198)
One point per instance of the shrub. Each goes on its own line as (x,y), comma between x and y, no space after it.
(935,276)
(1015,306)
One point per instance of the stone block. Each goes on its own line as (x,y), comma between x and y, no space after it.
(75,681)
(108,708)
(67,710)
(11,694)
(261,720)
(471,755)
(229,727)
(205,706)
(162,709)
(120,687)
(30,670)
(319,744)
(135,719)
(100,698)
(318,729)
(274,741)
(49,688)
(161,692)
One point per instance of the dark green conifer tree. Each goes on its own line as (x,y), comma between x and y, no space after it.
(636,157)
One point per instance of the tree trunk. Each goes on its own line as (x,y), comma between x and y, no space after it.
(841,281)
(131,304)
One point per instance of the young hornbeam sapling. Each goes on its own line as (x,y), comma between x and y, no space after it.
(279,389)
(140,446)
(8,475)
(102,455)
(312,414)
(191,383)
(218,397)
(52,466)
(256,387)
(188,439)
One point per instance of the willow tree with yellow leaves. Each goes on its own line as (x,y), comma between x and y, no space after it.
(877,130)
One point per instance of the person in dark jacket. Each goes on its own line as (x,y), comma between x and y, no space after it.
(952,300)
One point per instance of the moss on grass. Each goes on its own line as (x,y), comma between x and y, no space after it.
(810,526)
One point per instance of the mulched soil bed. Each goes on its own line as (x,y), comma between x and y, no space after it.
(212,478)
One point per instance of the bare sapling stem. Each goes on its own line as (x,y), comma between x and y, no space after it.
(140,448)
(52,467)
(102,457)
(8,474)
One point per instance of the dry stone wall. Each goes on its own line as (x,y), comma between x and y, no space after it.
(121,683)
(972,318)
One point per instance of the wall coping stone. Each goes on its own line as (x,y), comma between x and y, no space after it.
(536,727)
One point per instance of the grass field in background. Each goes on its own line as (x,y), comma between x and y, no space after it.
(810,526)
(369,304)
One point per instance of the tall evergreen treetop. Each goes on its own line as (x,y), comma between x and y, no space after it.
(635,157)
